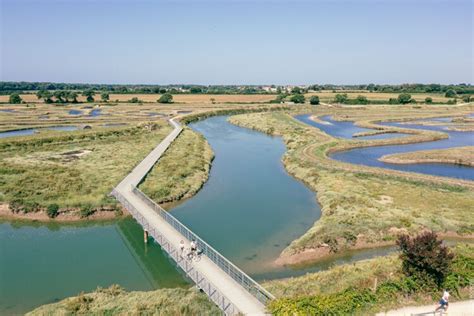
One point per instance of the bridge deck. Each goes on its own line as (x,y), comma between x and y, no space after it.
(231,296)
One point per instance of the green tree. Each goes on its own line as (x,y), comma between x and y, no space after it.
(166,98)
(15,98)
(466,98)
(425,258)
(362,99)
(428,100)
(450,93)
(296,90)
(404,98)
(195,90)
(45,95)
(73,96)
(314,100)
(297,98)
(134,100)
(59,95)
(89,94)
(341,98)
(105,96)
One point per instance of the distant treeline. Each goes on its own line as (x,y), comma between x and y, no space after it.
(25,87)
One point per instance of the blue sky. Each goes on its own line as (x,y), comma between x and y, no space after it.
(237,42)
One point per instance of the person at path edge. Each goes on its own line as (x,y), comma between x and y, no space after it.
(443,302)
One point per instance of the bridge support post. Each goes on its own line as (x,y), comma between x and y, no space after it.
(145,236)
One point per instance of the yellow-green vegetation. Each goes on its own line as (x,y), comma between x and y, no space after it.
(181,171)
(115,301)
(72,169)
(457,155)
(361,206)
(366,287)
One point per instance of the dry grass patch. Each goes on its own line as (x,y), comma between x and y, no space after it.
(181,171)
(353,213)
(458,155)
(115,301)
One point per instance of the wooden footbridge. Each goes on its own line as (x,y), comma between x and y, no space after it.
(226,285)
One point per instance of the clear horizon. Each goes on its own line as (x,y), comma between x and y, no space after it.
(237,43)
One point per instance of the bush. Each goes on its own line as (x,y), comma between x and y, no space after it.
(86,211)
(166,98)
(450,93)
(425,258)
(297,98)
(341,98)
(393,101)
(428,100)
(15,98)
(52,210)
(467,98)
(404,98)
(314,100)
(451,102)
(134,100)
(362,100)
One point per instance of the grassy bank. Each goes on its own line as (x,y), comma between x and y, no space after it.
(365,287)
(458,156)
(73,170)
(181,171)
(362,207)
(115,301)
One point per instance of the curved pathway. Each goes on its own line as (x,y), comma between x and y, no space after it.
(462,308)
(221,286)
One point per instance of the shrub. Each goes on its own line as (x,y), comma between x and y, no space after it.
(425,258)
(450,93)
(451,102)
(52,210)
(393,101)
(404,98)
(297,98)
(86,211)
(428,100)
(134,100)
(466,98)
(314,100)
(15,98)
(341,98)
(166,98)
(362,100)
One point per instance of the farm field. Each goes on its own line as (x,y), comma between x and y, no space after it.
(324,95)
(328,96)
(178,98)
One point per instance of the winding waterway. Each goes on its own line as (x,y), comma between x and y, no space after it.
(250,210)
(369,156)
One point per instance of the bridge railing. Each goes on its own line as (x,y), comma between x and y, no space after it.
(186,265)
(223,263)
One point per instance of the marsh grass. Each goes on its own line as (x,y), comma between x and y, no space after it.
(33,177)
(362,206)
(181,171)
(115,301)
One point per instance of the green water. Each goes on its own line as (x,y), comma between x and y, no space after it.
(40,264)
(250,210)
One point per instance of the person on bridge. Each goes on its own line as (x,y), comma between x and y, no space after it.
(443,302)
(193,246)
(181,246)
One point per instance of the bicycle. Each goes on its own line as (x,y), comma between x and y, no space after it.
(194,255)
